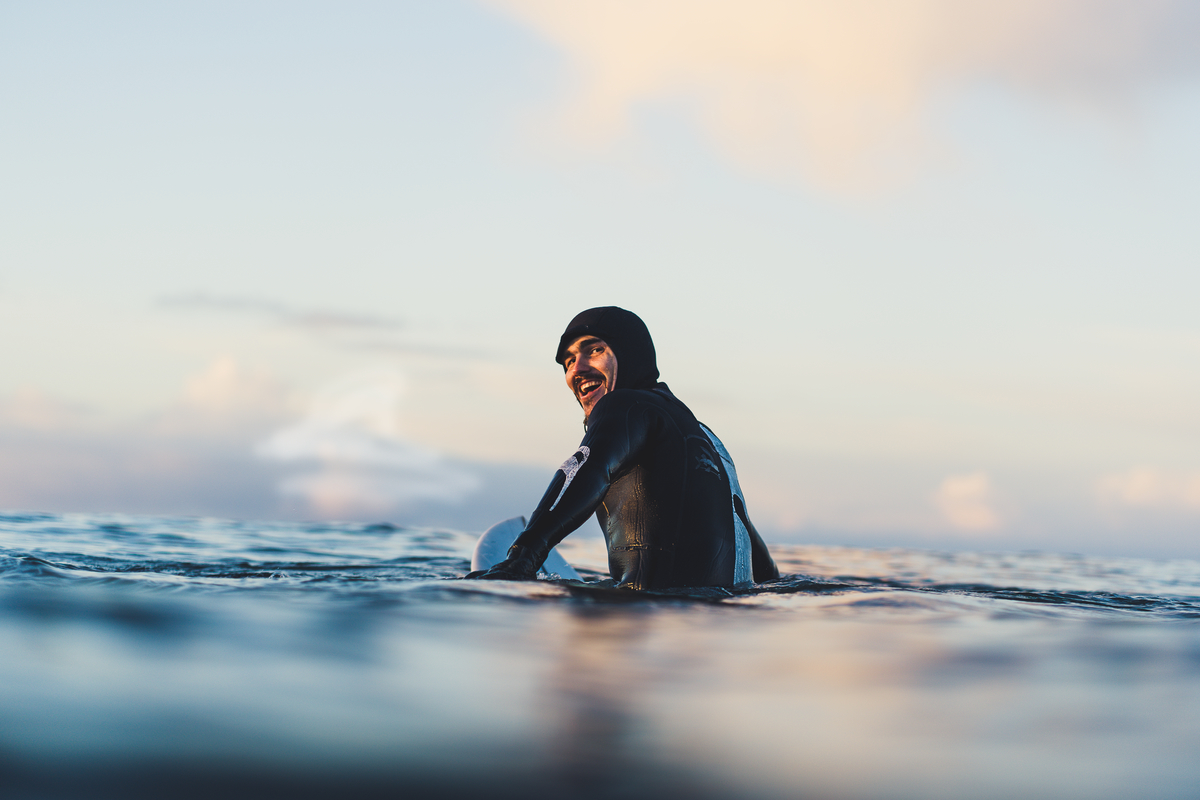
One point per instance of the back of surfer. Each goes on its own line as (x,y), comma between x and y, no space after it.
(661,483)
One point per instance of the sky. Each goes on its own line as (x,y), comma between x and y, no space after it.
(928,267)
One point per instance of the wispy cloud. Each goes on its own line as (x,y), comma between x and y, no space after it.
(310,319)
(837,91)
(352,456)
(416,349)
(344,330)
(966,502)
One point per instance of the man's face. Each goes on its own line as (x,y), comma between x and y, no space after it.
(591,371)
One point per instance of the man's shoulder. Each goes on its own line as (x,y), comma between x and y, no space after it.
(655,401)
(623,399)
(630,397)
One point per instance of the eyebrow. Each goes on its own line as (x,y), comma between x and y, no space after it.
(582,343)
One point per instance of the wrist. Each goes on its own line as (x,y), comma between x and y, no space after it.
(525,559)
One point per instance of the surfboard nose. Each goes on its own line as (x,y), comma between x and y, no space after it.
(492,548)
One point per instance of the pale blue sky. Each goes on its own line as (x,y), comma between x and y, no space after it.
(212,215)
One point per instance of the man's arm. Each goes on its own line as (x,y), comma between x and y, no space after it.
(577,488)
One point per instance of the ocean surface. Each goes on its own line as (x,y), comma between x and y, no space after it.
(167,657)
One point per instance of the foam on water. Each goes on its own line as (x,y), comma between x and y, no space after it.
(152,656)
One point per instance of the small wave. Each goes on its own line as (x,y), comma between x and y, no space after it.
(1174,606)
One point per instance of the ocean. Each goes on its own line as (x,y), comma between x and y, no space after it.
(177,657)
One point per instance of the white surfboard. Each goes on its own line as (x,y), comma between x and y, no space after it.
(492,548)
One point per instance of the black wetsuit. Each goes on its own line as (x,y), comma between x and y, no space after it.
(662,485)
(666,496)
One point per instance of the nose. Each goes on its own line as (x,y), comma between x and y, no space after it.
(580,364)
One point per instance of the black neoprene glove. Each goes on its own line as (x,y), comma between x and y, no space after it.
(521,565)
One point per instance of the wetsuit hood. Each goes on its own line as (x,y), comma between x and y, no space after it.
(626,334)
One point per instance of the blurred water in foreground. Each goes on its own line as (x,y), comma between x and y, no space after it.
(149,656)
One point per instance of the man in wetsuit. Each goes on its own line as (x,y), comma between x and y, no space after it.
(662,484)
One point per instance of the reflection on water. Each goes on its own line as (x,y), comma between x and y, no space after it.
(149,656)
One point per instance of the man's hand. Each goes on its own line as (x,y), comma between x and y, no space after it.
(504,571)
(519,566)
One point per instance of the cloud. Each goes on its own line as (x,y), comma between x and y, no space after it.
(836,91)
(966,502)
(224,387)
(189,457)
(32,409)
(347,458)
(410,349)
(358,461)
(351,331)
(310,319)
(1149,488)
(225,400)
(196,457)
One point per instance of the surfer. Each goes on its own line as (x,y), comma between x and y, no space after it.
(661,483)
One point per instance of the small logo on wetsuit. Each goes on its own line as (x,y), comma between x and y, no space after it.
(703,462)
(572,464)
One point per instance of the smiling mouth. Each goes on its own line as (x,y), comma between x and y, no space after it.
(587,386)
